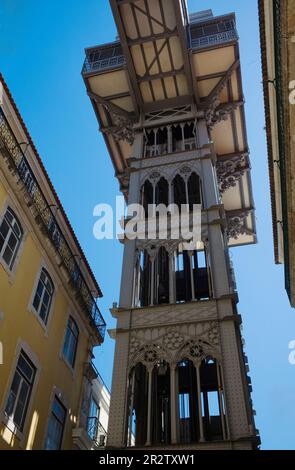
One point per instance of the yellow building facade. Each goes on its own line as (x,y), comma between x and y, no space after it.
(49,321)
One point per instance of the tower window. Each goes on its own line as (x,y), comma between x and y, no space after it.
(194,190)
(179,191)
(184,406)
(192,276)
(147,196)
(162,191)
(212,401)
(138,406)
(188,402)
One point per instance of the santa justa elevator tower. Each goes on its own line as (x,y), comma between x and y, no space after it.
(169,101)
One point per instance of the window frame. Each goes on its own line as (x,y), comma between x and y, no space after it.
(19,237)
(64,355)
(37,311)
(91,416)
(30,384)
(54,415)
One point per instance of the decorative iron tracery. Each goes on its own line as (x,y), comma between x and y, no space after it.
(123,126)
(196,350)
(184,171)
(236,225)
(174,346)
(218,112)
(150,355)
(230,171)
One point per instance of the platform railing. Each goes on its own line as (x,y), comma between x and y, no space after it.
(214,39)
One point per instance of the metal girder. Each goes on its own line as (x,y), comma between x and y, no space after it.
(183,40)
(169,45)
(209,76)
(149,78)
(168,103)
(127,54)
(193,74)
(233,104)
(110,105)
(117,96)
(125,2)
(222,83)
(141,46)
(237,212)
(154,37)
(156,51)
(148,15)
(229,156)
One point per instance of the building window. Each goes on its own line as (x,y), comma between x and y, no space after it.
(20,391)
(11,234)
(93,420)
(71,342)
(56,426)
(43,296)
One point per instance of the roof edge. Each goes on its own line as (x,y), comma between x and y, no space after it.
(268,125)
(50,184)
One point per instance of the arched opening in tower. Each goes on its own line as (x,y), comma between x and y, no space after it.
(138,406)
(160,415)
(213,412)
(189,429)
(192,276)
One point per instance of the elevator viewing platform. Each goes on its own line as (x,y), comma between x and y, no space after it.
(168,71)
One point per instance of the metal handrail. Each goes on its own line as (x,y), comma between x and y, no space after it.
(162,149)
(103,64)
(100,378)
(94,426)
(18,161)
(213,39)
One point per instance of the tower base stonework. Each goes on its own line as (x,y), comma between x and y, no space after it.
(170,333)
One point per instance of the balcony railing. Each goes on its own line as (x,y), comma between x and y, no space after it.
(103,64)
(96,431)
(11,150)
(162,149)
(214,39)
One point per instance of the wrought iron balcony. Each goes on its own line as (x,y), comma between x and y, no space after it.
(214,39)
(213,33)
(12,152)
(104,64)
(90,371)
(162,149)
(103,58)
(96,431)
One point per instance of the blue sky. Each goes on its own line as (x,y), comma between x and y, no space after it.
(41,56)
